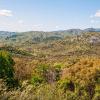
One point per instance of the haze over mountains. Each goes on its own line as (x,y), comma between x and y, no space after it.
(40,36)
(60,33)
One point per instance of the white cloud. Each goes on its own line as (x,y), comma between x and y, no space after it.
(20,21)
(97,14)
(92,21)
(92,16)
(39,25)
(7,13)
(57,26)
(95,21)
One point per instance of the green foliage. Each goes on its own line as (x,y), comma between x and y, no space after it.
(66,85)
(97,92)
(58,71)
(46,73)
(42,69)
(96,96)
(6,65)
(36,80)
(39,74)
(12,82)
(6,69)
(15,51)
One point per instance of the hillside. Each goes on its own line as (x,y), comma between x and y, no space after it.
(54,65)
(39,36)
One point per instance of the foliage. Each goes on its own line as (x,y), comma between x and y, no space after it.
(39,74)
(62,69)
(6,69)
(66,85)
(36,80)
(57,68)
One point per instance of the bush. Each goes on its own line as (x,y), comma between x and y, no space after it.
(6,65)
(7,70)
(66,85)
(39,74)
(58,71)
(96,96)
(45,73)
(36,80)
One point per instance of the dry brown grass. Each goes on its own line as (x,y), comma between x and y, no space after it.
(23,68)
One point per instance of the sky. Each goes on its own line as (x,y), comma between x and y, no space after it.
(48,15)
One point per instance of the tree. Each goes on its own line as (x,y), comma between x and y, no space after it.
(7,70)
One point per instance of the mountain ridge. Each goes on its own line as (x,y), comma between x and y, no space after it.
(41,36)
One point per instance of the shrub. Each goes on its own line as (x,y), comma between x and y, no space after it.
(7,70)
(96,96)
(6,65)
(66,85)
(90,89)
(39,74)
(97,92)
(36,80)
(45,73)
(57,71)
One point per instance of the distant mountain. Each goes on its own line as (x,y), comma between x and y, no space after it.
(5,34)
(39,36)
(92,30)
(70,32)
(57,33)
(98,30)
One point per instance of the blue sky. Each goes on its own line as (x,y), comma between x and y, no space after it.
(48,15)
